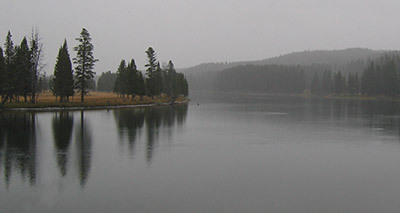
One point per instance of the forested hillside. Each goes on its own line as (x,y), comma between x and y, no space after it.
(353,60)
(379,77)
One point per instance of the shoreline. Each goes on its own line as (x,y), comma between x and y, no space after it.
(89,107)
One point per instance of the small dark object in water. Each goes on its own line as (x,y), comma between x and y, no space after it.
(198,103)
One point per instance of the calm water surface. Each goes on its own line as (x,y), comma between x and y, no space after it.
(230,153)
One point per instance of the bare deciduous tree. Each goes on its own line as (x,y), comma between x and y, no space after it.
(36,46)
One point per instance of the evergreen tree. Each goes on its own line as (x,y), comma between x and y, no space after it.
(23,66)
(339,83)
(119,86)
(327,85)
(315,87)
(2,74)
(9,58)
(183,87)
(9,51)
(351,84)
(129,81)
(84,62)
(136,81)
(63,75)
(379,78)
(300,82)
(357,84)
(368,80)
(141,85)
(150,72)
(131,78)
(171,88)
(158,80)
(391,79)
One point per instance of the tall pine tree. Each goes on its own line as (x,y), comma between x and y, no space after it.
(63,75)
(2,73)
(84,62)
(9,58)
(150,72)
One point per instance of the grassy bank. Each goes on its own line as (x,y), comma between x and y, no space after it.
(93,99)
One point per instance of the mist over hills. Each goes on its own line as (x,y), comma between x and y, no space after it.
(351,60)
(326,57)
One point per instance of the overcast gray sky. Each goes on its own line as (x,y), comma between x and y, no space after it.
(190,32)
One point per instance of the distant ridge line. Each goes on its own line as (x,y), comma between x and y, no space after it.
(306,57)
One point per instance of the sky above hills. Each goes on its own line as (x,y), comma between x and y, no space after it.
(191,32)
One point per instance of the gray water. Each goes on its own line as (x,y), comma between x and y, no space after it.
(228,153)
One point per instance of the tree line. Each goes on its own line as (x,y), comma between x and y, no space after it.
(129,81)
(335,83)
(20,67)
(380,76)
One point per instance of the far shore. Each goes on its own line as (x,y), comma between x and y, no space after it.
(307,94)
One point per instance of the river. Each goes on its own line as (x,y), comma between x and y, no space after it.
(219,153)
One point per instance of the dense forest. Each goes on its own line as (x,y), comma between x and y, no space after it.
(20,68)
(21,76)
(346,72)
(203,76)
(269,78)
(379,77)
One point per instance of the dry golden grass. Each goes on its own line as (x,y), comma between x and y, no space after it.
(92,99)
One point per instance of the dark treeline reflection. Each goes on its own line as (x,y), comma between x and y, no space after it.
(18,146)
(84,149)
(155,121)
(62,124)
(376,115)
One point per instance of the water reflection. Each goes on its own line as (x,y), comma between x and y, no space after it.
(129,122)
(381,116)
(155,120)
(62,124)
(84,149)
(18,145)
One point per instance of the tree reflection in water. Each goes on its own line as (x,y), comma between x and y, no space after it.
(130,122)
(18,145)
(62,124)
(84,149)
(18,139)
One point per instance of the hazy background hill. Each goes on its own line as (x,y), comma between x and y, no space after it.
(204,76)
(329,57)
